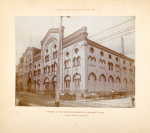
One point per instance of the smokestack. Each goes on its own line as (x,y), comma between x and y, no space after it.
(122,45)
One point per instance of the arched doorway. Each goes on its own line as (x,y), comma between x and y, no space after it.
(77,80)
(92,79)
(110,80)
(125,85)
(117,88)
(67,81)
(54,83)
(29,85)
(47,84)
(131,85)
(102,83)
(38,84)
(34,85)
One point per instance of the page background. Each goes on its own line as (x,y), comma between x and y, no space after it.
(36,119)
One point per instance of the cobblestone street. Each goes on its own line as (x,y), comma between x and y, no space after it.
(33,99)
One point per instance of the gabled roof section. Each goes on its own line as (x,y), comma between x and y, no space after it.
(52,30)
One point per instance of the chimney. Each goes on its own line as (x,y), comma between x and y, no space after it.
(122,45)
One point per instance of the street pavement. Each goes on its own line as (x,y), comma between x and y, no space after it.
(42,100)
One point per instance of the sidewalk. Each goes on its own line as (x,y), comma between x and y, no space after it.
(42,100)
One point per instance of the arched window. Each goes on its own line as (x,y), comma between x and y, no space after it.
(100,63)
(75,62)
(38,84)
(46,83)
(66,64)
(110,64)
(76,80)
(78,60)
(94,61)
(48,69)
(91,82)
(67,81)
(39,71)
(103,64)
(90,60)
(69,62)
(46,58)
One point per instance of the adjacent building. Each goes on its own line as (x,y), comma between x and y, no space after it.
(86,66)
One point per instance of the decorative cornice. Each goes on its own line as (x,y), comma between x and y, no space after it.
(81,38)
(92,43)
(37,59)
(75,35)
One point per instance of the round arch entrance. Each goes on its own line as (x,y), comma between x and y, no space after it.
(29,85)
(54,83)
(125,85)
(110,80)
(92,79)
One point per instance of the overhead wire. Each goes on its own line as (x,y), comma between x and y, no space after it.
(114,34)
(118,37)
(112,27)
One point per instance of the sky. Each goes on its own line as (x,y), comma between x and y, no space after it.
(105,30)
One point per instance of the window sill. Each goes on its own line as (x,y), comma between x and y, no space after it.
(92,65)
(67,68)
(102,67)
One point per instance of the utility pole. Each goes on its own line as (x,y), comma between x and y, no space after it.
(58,84)
(59,54)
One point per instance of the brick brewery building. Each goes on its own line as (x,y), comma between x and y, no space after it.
(86,66)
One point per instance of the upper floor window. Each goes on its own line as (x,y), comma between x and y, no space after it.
(55,55)
(92,61)
(110,56)
(76,50)
(48,69)
(117,67)
(39,71)
(45,70)
(67,54)
(124,69)
(130,64)
(34,73)
(110,65)
(91,50)
(54,67)
(26,67)
(77,61)
(46,58)
(30,66)
(124,61)
(101,53)
(102,63)
(131,71)
(116,59)
(55,46)
(46,50)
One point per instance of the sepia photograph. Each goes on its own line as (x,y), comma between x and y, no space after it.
(75,61)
